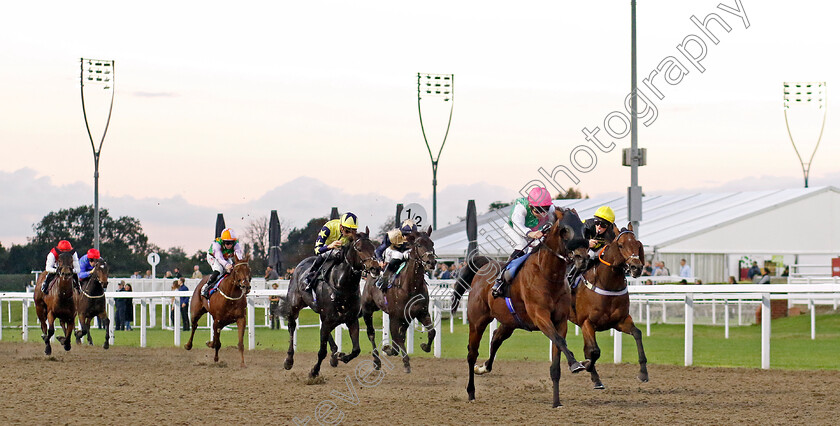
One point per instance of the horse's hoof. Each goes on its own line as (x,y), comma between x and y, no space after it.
(209,344)
(576,367)
(66,348)
(188,346)
(334,360)
(599,386)
(426,347)
(643,379)
(407,369)
(89,343)
(480,369)
(557,405)
(288,364)
(48,351)
(106,346)
(242,365)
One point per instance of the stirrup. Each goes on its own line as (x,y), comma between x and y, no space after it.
(497,288)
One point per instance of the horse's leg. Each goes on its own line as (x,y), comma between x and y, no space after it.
(81,331)
(563,328)
(50,325)
(394,330)
(499,336)
(326,328)
(103,318)
(196,315)
(399,343)
(240,325)
(627,326)
(371,333)
(87,330)
(426,320)
(542,319)
(291,320)
(477,327)
(216,342)
(334,349)
(353,329)
(68,327)
(554,372)
(591,351)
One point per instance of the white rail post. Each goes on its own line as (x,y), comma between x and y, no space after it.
(726,318)
(714,312)
(9,306)
(765,331)
(339,336)
(550,350)
(252,337)
(143,313)
(813,319)
(438,331)
(451,323)
(294,337)
(386,327)
(612,333)
(176,323)
(641,305)
(210,326)
(617,347)
(111,318)
(463,311)
(740,320)
(152,314)
(664,310)
(1,319)
(689,329)
(25,320)
(493,326)
(647,322)
(577,329)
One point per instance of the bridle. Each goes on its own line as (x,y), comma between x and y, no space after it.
(624,260)
(368,264)
(243,284)
(425,258)
(97,269)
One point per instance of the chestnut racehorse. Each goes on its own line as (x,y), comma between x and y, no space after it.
(90,302)
(57,303)
(406,300)
(227,305)
(602,301)
(539,297)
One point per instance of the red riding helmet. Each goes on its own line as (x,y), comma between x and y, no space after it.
(64,245)
(93,254)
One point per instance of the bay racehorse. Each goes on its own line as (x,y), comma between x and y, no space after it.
(406,300)
(227,305)
(90,302)
(602,301)
(337,300)
(57,303)
(539,297)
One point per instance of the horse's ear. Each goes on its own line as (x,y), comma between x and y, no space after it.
(558,214)
(630,226)
(429,231)
(574,211)
(367,231)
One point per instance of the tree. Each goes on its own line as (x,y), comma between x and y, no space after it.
(571,194)
(496,205)
(257,234)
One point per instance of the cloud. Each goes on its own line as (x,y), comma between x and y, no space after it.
(155,94)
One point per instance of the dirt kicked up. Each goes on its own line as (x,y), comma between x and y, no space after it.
(144,386)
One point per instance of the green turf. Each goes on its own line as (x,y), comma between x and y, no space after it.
(791,346)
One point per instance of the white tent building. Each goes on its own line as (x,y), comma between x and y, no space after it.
(712,231)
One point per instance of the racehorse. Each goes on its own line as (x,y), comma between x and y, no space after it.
(406,300)
(90,303)
(337,300)
(227,305)
(57,303)
(602,302)
(539,297)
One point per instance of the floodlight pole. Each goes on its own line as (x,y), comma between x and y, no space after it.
(822,100)
(96,151)
(429,149)
(634,193)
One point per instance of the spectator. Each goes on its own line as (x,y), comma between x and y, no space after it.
(732,280)
(439,271)
(648,271)
(274,307)
(648,282)
(786,272)
(271,274)
(662,271)
(119,307)
(698,281)
(136,275)
(453,271)
(176,273)
(185,305)
(685,270)
(196,273)
(167,275)
(765,277)
(289,273)
(445,275)
(129,309)
(754,271)
(683,281)
(175,286)
(148,274)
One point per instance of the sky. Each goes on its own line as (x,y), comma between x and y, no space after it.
(301,106)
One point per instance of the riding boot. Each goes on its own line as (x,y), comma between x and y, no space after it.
(76,284)
(309,280)
(504,276)
(46,283)
(206,289)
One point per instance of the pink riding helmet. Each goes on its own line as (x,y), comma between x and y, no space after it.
(539,197)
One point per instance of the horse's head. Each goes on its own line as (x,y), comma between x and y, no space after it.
(626,251)
(423,249)
(241,273)
(100,272)
(360,254)
(65,264)
(566,236)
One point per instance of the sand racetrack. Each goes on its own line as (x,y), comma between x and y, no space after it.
(144,386)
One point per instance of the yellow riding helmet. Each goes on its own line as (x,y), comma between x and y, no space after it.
(349,221)
(228,235)
(606,213)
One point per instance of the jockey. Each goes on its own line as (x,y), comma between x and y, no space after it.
(599,230)
(332,236)
(84,264)
(527,216)
(393,250)
(220,257)
(63,246)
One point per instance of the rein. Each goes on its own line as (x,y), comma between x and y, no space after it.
(601,291)
(352,266)
(242,288)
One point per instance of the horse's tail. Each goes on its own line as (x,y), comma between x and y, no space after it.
(465,278)
(283,307)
